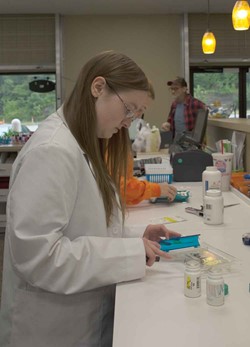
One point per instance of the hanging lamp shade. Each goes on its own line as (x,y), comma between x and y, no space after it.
(241,15)
(208,43)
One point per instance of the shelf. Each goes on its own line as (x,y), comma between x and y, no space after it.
(238,124)
(10,148)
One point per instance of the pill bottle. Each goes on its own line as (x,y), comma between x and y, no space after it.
(213,207)
(215,287)
(211,179)
(192,279)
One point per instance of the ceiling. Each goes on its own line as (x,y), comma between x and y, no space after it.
(112,7)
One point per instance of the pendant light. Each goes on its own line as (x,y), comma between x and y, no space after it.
(208,40)
(241,15)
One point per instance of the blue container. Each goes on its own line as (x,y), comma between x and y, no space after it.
(180,242)
(159,178)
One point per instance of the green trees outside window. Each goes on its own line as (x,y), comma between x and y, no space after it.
(18,101)
(225,88)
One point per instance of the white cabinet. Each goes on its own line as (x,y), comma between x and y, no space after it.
(8,155)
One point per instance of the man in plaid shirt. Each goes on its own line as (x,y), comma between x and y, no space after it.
(183,112)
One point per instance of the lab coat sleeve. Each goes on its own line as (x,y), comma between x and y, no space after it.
(40,203)
(134,230)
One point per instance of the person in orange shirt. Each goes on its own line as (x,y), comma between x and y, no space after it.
(138,190)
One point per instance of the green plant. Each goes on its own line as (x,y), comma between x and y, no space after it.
(10,133)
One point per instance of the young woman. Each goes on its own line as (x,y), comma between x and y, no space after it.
(66,244)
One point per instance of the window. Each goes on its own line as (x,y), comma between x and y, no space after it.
(18,101)
(225,90)
(27,51)
(27,40)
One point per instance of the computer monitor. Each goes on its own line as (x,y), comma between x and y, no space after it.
(166,139)
(197,135)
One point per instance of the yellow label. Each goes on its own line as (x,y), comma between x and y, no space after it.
(168,219)
(189,282)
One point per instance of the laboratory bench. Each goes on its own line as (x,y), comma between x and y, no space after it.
(154,311)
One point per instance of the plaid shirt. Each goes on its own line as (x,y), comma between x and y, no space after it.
(191,107)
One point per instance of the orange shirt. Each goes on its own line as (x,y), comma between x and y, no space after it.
(138,190)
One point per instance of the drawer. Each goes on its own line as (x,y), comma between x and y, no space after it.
(5,170)
(2,230)
(4,182)
(4,194)
(3,205)
(3,218)
(2,227)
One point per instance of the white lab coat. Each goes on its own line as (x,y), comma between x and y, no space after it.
(61,261)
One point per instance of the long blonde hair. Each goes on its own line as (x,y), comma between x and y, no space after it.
(108,157)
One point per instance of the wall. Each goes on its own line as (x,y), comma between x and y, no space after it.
(154,42)
(232,45)
(1,262)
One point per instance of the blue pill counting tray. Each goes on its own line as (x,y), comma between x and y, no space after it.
(181,196)
(180,242)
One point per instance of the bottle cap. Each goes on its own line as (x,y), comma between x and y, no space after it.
(211,168)
(215,272)
(213,192)
(246,239)
(194,264)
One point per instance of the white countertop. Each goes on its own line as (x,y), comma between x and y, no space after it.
(154,311)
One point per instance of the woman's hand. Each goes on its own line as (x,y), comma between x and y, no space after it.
(152,249)
(151,238)
(168,190)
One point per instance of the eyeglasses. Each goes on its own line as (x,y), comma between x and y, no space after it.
(129,114)
(174,88)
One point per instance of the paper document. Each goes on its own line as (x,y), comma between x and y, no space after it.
(167,220)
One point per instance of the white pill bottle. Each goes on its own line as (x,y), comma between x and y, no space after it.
(211,179)
(213,207)
(192,279)
(215,287)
